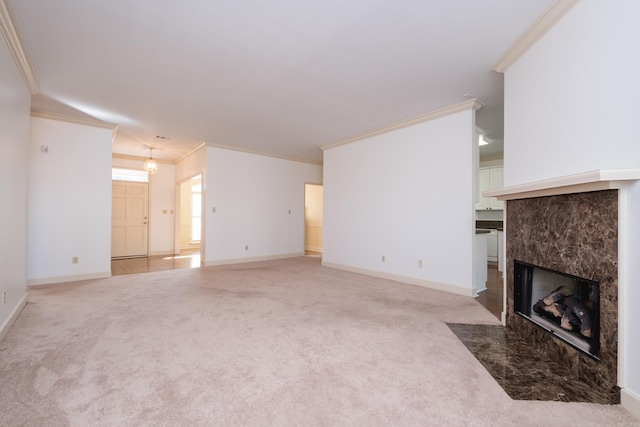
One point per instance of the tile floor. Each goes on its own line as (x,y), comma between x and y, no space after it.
(186,259)
(522,373)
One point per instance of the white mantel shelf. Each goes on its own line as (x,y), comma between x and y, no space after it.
(597,180)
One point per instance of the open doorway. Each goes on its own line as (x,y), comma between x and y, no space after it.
(189,219)
(129,213)
(313,195)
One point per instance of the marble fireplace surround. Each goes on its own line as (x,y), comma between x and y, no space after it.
(570,224)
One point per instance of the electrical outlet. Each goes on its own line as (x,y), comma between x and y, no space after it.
(74,260)
(246,247)
(4,297)
(383,259)
(419,263)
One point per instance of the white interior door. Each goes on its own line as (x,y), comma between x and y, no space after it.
(129,219)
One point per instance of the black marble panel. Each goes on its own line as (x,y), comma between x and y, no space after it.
(522,373)
(575,234)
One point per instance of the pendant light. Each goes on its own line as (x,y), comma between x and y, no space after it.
(150,165)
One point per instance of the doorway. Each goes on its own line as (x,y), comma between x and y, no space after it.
(129,219)
(313,195)
(189,218)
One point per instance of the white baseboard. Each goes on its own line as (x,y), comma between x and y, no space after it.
(249,259)
(468,292)
(63,279)
(4,329)
(630,401)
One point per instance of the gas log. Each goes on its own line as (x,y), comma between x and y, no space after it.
(567,309)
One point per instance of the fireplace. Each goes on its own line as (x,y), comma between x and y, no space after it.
(570,241)
(563,305)
(583,226)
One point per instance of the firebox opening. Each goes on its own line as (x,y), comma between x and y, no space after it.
(566,306)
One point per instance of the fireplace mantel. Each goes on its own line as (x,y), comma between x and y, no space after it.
(604,179)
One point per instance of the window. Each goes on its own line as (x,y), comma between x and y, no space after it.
(134,175)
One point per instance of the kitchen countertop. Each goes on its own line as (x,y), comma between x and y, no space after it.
(490,224)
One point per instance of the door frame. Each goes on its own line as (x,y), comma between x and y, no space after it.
(178,214)
(148,217)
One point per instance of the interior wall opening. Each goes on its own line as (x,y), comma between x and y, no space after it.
(313,196)
(189,219)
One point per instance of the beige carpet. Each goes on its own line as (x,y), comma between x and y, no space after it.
(274,343)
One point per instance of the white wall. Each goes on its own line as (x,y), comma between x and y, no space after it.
(192,165)
(571,101)
(69,202)
(161,199)
(15,103)
(408,195)
(570,107)
(629,315)
(258,201)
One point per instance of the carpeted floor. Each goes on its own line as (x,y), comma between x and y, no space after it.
(272,343)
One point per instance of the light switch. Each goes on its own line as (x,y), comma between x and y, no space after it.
(213,210)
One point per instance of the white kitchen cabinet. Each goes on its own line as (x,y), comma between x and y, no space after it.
(490,178)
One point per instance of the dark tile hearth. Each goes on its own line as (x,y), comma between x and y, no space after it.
(523,372)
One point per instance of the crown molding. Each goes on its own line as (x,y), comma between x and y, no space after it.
(10,34)
(550,17)
(260,153)
(474,104)
(190,152)
(77,120)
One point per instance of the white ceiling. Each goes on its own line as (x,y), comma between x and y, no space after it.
(281,77)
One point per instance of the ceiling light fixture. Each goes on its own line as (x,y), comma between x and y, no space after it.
(150,165)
